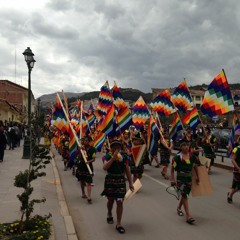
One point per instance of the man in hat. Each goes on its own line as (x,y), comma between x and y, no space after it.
(82,174)
(117,167)
(183,163)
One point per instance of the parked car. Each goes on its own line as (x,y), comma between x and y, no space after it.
(222,136)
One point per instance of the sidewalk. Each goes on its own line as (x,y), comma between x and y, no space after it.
(47,187)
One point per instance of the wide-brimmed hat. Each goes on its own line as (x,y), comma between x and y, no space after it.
(115,143)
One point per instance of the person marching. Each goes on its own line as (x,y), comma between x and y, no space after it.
(117,167)
(165,146)
(82,173)
(236,171)
(125,140)
(209,143)
(183,163)
(65,152)
(194,146)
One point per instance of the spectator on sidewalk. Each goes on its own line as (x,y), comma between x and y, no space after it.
(3,143)
(12,137)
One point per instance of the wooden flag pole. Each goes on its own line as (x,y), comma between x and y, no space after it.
(83,152)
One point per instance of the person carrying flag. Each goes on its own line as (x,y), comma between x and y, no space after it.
(183,163)
(165,146)
(209,143)
(117,167)
(82,173)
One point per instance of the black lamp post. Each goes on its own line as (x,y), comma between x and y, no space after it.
(28,54)
(38,107)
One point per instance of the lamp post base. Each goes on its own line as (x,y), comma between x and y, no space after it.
(26,148)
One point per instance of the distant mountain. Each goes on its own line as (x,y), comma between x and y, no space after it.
(129,94)
(48,99)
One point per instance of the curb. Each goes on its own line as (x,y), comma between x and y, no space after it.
(70,229)
(219,165)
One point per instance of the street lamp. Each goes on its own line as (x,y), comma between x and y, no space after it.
(28,54)
(38,107)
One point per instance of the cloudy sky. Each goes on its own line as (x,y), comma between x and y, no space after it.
(143,44)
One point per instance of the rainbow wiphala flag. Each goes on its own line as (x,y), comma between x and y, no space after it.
(59,117)
(176,126)
(117,96)
(140,113)
(162,104)
(153,135)
(181,97)
(104,100)
(217,99)
(191,118)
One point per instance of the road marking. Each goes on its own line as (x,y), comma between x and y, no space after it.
(155,180)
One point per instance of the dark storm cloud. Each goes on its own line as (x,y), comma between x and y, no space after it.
(140,44)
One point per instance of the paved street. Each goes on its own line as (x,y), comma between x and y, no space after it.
(151,214)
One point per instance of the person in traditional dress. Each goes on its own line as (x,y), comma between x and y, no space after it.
(165,147)
(236,171)
(132,131)
(194,145)
(183,163)
(83,175)
(117,167)
(209,143)
(65,153)
(125,140)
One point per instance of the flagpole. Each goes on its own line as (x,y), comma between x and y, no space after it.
(80,132)
(196,108)
(75,136)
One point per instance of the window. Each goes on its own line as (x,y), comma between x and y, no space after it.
(198,98)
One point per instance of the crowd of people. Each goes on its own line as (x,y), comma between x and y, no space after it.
(119,164)
(10,137)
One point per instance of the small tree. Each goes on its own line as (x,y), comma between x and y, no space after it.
(39,159)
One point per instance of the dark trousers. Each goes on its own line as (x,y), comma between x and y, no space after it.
(1,153)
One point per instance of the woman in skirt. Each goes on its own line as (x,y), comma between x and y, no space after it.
(83,175)
(116,165)
(183,163)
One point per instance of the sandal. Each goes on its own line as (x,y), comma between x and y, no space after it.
(165,176)
(180,212)
(110,220)
(190,221)
(84,196)
(120,229)
(229,199)
(89,200)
